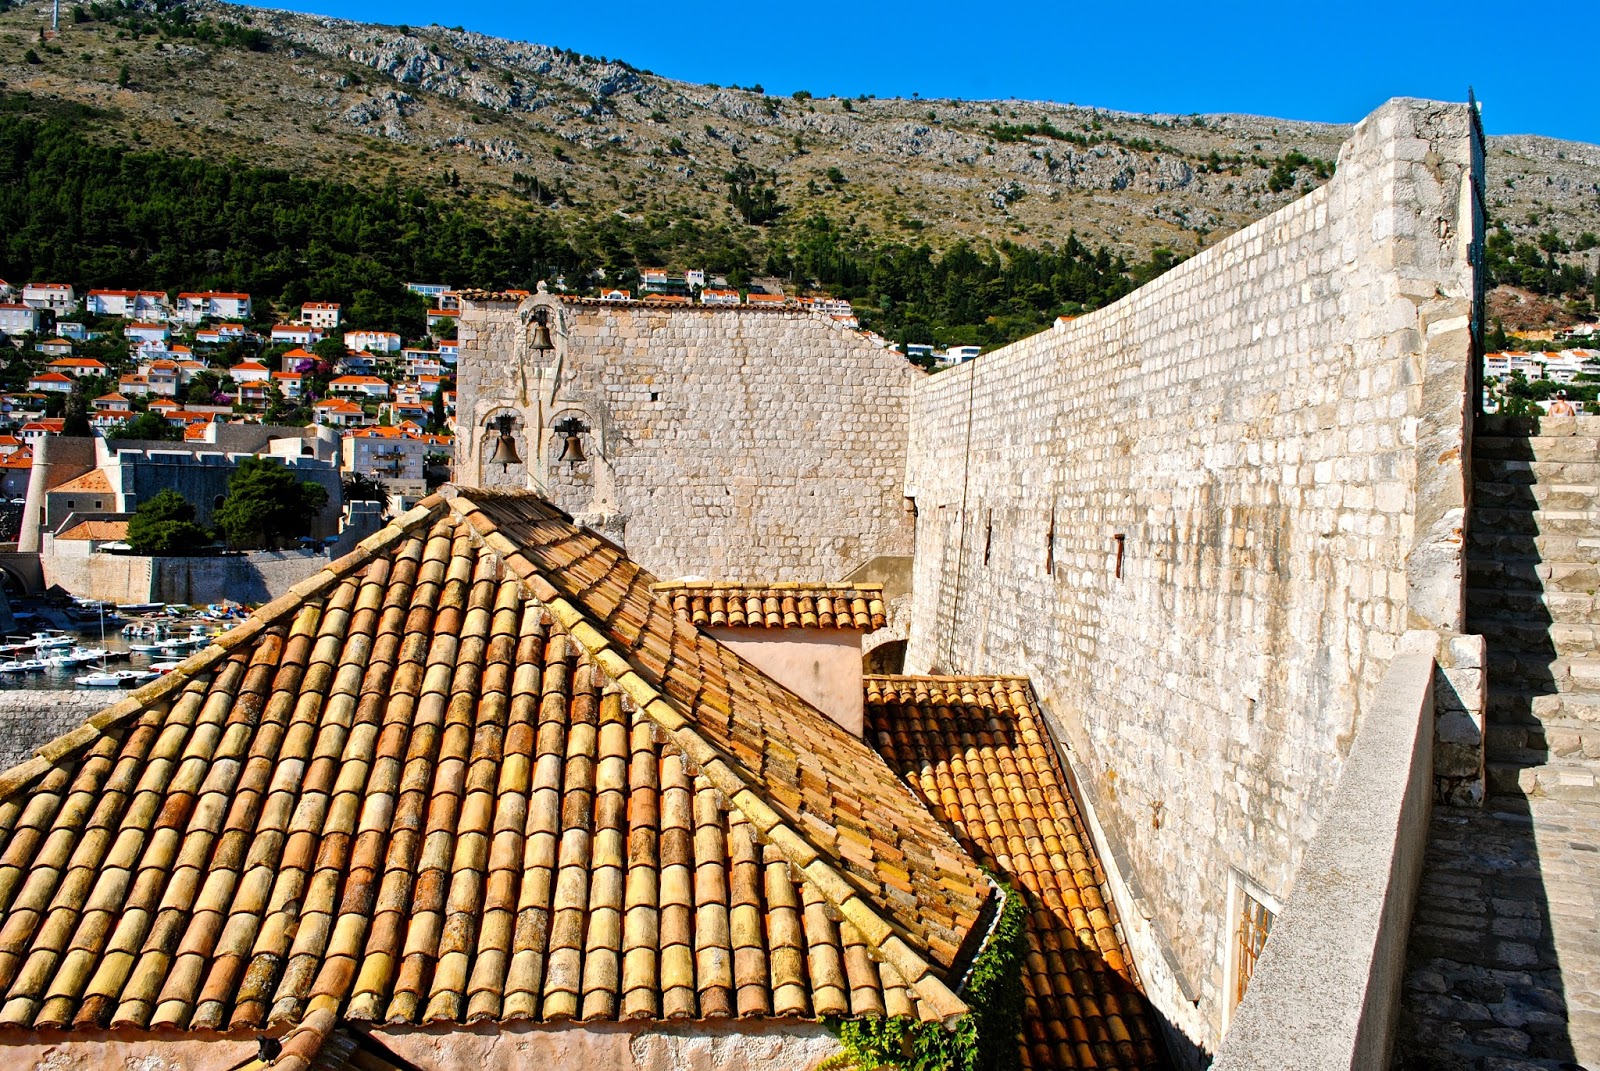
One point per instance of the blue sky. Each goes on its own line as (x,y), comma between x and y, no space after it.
(1295,60)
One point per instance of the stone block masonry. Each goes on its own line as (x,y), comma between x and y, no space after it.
(1201,518)
(739,444)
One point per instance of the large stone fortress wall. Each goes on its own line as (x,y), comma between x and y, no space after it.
(1201,518)
(735,443)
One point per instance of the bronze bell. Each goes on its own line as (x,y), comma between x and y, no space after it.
(541,331)
(572,449)
(505,450)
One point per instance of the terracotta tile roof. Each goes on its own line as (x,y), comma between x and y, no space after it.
(473,771)
(977,752)
(784,605)
(93,480)
(96,530)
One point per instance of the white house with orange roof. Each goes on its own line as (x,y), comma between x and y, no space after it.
(35,431)
(211,305)
(103,420)
(113,402)
(289,383)
(719,297)
(405,411)
(390,454)
(420,362)
(51,383)
(249,372)
(297,334)
(449,350)
(360,386)
(56,297)
(55,347)
(19,319)
(340,413)
(324,314)
(441,316)
(77,366)
(141,331)
(188,368)
(133,385)
(615,293)
(372,341)
(766,299)
(132,304)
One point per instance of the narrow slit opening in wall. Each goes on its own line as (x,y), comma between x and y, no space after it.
(988,536)
(1122,543)
(1050,544)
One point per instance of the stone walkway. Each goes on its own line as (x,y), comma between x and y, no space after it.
(1504,961)
(1503,966)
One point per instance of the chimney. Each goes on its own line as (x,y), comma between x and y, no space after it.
(805,636)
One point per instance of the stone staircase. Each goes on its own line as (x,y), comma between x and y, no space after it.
(1533,574)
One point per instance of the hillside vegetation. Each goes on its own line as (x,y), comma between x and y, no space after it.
(529,159)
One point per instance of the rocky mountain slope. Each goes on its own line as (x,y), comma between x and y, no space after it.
(505,123)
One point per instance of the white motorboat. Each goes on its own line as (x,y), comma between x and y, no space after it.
(164,667)
(122,678)
(148,648)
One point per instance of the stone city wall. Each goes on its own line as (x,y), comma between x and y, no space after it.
(737,444)
(254,577)
(1201,518)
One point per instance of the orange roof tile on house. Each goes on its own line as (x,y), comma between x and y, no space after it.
(977,752)
(668,299)
(249,366)
(163,404)
(20,459)
(50,377)
(287,375)
(300,353)
(75,362)
(357,381)
(765,299)
(93,481)
(53,424)
(472,773)
(99,531)
(784,605)
(320,305)
(141,325)
(337,405)
(195,431)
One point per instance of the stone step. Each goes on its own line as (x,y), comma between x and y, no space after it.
(1489,608)
(1571,522)
(1577,709)
(1498,545)
(1533,743)
(1533,574)
(1498,425)
(1524,471)
(1570,782)
(1538,562)
(1537,448)
(1533,638)
(1541,671)
(1549,494)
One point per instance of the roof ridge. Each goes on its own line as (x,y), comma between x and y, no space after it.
(51,752)
(725,775)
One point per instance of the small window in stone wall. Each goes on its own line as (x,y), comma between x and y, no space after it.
(1251,912)
(71,504)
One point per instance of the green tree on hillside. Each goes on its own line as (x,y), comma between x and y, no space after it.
(267,504)
(146,425)
(165,525)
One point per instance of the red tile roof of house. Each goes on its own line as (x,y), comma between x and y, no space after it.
(95,480)
(50,377)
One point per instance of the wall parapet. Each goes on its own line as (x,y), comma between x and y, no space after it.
(1326,991)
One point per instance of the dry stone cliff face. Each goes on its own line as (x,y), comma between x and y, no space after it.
(352,100)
